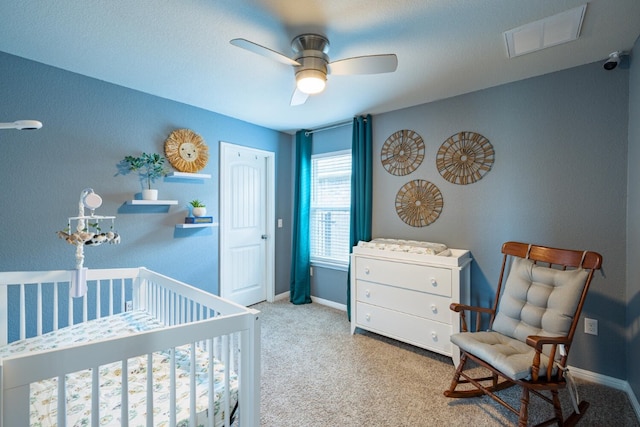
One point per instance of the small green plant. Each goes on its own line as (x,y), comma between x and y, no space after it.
(197,204)
(149,167)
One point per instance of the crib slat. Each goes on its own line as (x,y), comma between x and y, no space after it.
(62,401)
(225,361)
(172,388)
(85,305)
(99,299)
(192,386)
(211,383)
(4,332)
(23,308)
(95,396)
(39,308)
(124,395)
(56,287)
(71,308)
(150,390)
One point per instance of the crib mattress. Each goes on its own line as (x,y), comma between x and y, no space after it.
(43,394)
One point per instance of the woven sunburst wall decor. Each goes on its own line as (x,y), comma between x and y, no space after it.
(419,203)
(465,157)
(402,152)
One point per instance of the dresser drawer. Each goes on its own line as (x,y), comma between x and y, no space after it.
(420,304)
(416,277)
(404,327)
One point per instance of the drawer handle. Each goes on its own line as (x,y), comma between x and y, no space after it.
(366,270)
(434,308)
(367,317)
(367,293)
(434,282)
(434,336)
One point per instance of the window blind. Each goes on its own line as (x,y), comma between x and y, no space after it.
(330,207)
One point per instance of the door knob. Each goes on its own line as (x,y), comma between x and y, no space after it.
(264,237)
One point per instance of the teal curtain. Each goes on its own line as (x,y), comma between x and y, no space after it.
(361,189)
(300,285)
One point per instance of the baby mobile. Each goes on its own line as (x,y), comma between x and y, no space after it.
(88,232)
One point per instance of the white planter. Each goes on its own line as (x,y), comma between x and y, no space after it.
(149,194)
(199,211)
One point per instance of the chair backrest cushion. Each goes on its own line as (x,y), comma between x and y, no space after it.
(538,300)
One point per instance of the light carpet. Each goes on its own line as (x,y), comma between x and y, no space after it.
(316,374)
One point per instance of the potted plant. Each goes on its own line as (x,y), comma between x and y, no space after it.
(198,208)
(149,168)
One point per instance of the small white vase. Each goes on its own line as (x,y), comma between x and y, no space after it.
(149,194)
(199,211)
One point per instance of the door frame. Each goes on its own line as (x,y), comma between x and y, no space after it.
(269,270)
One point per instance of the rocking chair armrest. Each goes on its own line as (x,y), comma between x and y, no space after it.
(538,341)
(462,307)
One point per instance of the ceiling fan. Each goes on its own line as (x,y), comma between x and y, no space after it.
(311,63)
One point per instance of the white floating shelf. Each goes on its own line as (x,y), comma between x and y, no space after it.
(152,202)
(204,225)
(187,175)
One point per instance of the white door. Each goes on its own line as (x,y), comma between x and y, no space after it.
(246,224)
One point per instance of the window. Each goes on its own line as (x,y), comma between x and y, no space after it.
(330,208)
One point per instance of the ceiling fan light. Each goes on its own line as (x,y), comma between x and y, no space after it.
(311,81)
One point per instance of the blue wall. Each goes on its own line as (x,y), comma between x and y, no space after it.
(89,126)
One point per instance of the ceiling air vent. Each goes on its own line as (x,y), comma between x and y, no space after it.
(551,31)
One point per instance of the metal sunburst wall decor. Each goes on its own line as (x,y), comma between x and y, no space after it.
(465,158)
(402,152)
(419,203)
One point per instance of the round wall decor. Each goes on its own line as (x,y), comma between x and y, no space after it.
(402,152)
(465,157)
(186,150)
(419,203)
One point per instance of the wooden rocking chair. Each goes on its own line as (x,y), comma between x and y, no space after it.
(531,327)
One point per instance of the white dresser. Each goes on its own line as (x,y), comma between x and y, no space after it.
(405,294)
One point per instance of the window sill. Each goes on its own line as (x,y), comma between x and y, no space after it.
(330,265)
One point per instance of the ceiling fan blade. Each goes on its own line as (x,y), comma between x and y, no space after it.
(298,98)
(264,51)
(370,64)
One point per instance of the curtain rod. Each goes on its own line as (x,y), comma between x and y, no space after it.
(337,125)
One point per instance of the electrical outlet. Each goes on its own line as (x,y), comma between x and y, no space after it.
(128,306)
(590,326)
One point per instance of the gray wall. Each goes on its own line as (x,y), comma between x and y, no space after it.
(89,126)
(633,228)
(559,179)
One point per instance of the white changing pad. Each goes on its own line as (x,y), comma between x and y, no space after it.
(409,246)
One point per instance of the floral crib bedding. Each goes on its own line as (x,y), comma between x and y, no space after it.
(43,394)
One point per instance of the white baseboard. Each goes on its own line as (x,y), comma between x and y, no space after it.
(284,295)
(609,382)
(328,303)
(321,301)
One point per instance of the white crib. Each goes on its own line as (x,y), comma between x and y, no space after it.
(191,322)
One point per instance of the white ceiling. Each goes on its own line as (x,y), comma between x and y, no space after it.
(180,49)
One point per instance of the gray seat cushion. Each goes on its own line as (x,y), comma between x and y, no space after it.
(536,301)
(511,357)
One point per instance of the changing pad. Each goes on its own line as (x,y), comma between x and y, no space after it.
(409,246)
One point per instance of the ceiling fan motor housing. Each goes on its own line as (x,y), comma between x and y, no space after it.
(311,52)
